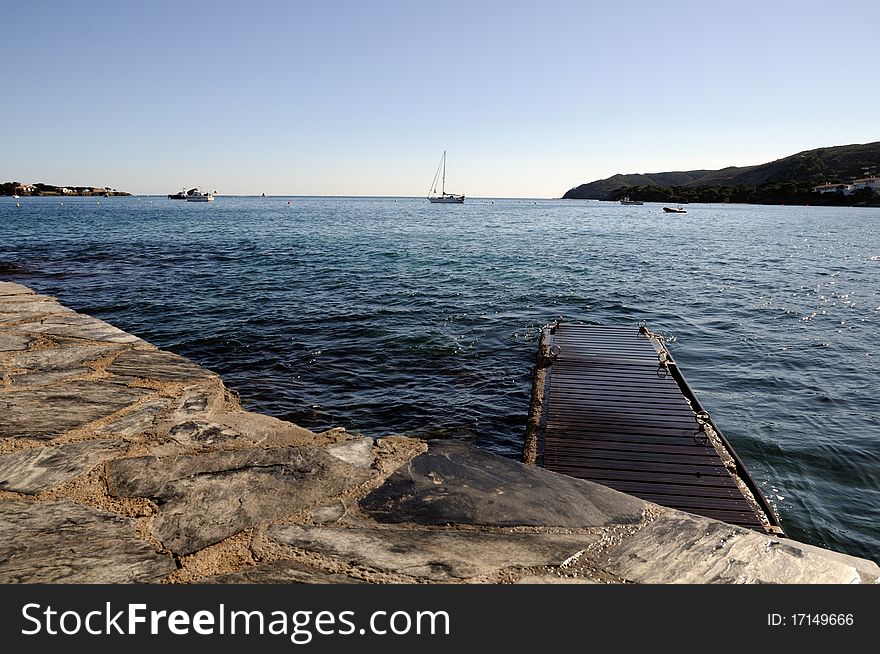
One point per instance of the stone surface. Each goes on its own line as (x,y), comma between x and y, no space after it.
(39,469)
(48,412)
(25,306)
(46,378)
(683,548)
(438,555)
(139,420)
(357,452)
(60,358)
(11,288)
(200,432)
(64,542)
(12,320)
(266,429)
(78,325)
(31,297)
(550,579)
(333,512)
(280,572)
(459,483)
(208,497)
(869,571)
(12,342)
(158,365)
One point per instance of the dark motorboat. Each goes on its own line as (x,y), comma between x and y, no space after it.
(674,210)
(183,195)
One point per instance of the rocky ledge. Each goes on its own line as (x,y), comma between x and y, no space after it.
(121,463)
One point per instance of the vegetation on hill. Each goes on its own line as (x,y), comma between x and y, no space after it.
(785,181)
(17,188)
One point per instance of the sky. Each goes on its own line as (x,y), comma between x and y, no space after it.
(529,99)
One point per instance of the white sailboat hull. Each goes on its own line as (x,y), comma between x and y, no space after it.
(443,197)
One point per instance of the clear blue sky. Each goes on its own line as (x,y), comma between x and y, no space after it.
(361,98)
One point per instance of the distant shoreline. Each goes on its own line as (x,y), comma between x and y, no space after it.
(9,189)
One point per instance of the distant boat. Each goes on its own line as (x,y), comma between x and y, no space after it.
(192,195)
(626,200)
(198,196)
(443,197)
(181,195)
(15,197)
(674,209)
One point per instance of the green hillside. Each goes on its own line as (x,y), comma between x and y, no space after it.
(788,180)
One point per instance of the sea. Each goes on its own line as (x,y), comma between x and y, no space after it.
(397,316)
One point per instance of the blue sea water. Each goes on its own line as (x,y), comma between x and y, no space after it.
(393,315)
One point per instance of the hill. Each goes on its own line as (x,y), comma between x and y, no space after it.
(788,179)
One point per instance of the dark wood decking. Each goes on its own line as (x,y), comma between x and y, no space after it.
(613,413)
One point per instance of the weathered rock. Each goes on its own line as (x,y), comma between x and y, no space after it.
(434,554)
(27,307)
(12,342)
(550,579)
(682,548)
(64,542)
(868,570)
(333,512)
(60,358)
(42,468)
(50,411)
(46,378)
(195,401)
(459,483)
(12,319)
(280,572)
(11,288)
(357,452)
(158,365)
(266,429)
(30,297)
(207,497)
(78,325)
(139,420)
(200,432)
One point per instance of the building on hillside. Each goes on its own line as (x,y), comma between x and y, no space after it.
(871,183)
(846,189)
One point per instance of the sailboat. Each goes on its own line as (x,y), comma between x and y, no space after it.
(443,197)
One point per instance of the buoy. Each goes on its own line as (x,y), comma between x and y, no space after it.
(17,204)
(61,203)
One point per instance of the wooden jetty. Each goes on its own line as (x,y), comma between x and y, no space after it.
(610,405)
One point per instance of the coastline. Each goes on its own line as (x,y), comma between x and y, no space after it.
(159,475)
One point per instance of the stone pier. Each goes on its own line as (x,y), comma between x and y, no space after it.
(123,463)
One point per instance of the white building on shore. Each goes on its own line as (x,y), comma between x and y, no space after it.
(870,183)
(846,189)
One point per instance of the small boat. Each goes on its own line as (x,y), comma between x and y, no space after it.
(443,197)
(14,197)
(198,196)
(626,200)
(182,194)
(674,209)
